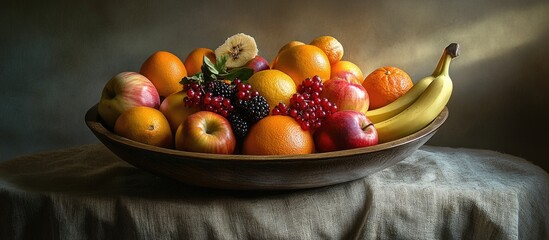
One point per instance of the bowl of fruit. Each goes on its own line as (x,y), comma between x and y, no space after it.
(227,119)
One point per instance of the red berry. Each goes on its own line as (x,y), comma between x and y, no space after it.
(305,125)
(306,106)
(293,113)
(207,100)
(226,102)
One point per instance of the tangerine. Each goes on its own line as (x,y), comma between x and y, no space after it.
(347,70)
(195,59)
(386,84)
(146,125)
(165,70)
(303,61)
(274,85)
(277,135)
(331,47)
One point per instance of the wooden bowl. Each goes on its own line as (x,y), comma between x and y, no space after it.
(246,172)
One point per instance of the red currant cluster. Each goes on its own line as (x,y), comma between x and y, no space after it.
(198,96)
(244,91)
(306,106)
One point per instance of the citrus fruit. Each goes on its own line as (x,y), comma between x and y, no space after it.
(386,84)
(342,69)
(146,125)
(331,47)
(175,111)
(289,45)
(165,70)
(277,135)
(285,47)
(195,59)
(303,61)
(274,85)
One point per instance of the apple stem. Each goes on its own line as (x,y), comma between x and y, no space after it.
(367,126)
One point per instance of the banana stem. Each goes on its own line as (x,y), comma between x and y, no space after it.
(452,49)
(446,67)
(451,52)
(438,69)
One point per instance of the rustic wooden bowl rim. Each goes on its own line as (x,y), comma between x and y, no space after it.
(93,122)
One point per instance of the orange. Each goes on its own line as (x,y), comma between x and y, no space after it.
(277,135)
(175,111)
(285,47)
(342,69)
(195,59)
(386,84)
(165,70)
(274,85)
(303,61)
(331,46)
(289,45)
(146,125)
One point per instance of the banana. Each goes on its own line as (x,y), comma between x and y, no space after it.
(423,110)
(397,106)
(239,48)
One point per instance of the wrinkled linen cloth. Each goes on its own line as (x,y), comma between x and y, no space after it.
(87,192)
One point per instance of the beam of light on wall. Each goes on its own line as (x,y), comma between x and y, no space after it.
(501,33)
(490,37)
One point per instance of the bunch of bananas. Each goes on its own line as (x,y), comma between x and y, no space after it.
(420,105)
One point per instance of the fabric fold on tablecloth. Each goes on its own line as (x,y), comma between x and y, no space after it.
(87,192)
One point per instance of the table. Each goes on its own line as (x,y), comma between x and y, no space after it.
(86,192)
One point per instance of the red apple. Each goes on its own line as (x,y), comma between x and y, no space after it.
(124,91)
(258,63)
(205,132)
(347,76)
(346,95)
(345,129)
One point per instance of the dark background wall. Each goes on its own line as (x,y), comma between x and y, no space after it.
(55,57)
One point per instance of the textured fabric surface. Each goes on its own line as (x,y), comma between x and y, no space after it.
(87,192)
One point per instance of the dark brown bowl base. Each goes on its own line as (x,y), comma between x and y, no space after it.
(244,172)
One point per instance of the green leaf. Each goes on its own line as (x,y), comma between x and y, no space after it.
(243,74)
(210,67)
(198,78)
(221,62)
(218,71)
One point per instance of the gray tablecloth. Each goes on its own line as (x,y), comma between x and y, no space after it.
(86,192)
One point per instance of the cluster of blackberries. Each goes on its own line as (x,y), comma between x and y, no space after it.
(233,100)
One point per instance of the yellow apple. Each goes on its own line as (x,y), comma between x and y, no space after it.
(173,107)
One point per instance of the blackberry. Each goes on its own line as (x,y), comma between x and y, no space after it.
(254,109)
(239,125)
(219,88)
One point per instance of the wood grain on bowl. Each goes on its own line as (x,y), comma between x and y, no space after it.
(273,172)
